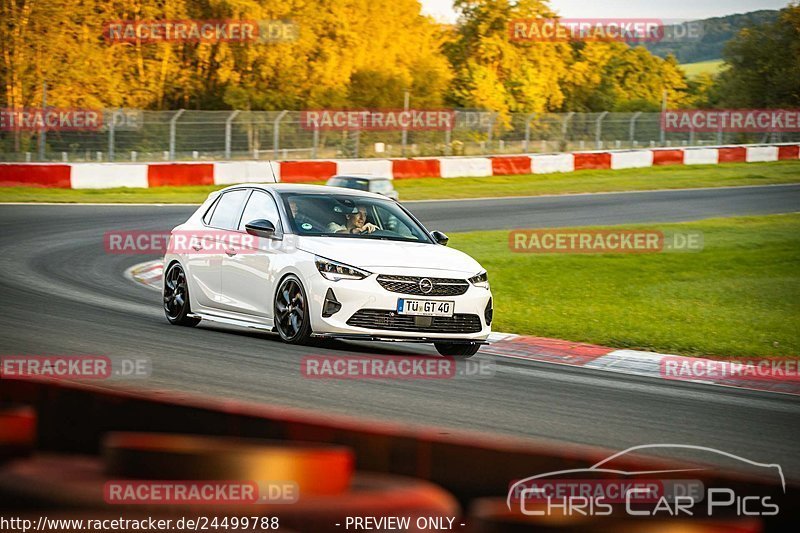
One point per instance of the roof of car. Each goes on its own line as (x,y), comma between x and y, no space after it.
(302,188)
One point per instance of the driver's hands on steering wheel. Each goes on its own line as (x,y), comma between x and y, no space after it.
(366,228)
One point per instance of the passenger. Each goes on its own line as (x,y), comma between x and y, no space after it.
(355,223)
(300,219)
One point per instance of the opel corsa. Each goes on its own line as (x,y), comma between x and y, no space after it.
(311,261)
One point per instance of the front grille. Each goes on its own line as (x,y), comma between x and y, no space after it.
(390,320)
(410,285)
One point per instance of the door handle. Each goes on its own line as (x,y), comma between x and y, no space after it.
(231,252)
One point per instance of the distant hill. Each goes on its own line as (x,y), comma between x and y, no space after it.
(716,32)
(712,66)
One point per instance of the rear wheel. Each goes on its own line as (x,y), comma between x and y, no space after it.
(176,297)
(291,311)
(450,349)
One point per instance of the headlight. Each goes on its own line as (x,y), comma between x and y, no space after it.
(334,270)
(480,280)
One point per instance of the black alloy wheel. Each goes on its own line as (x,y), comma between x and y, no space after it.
(291,311)
(176,297)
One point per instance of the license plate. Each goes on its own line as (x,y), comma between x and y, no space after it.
(424,307)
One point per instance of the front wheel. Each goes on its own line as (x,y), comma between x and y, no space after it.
(465,350)
(176,297)
(291,311)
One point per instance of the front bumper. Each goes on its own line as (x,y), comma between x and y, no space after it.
(384,338)
(368,295)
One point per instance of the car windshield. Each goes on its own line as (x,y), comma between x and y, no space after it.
(381,186)
(349,216)
(350,183)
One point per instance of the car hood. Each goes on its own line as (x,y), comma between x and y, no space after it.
(385,256)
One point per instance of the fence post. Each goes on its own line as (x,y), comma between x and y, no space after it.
(276,133)
(633,126)
(565,125)
(316,142)
(489,132)
(228,125)
(172,124)
(43,129)
(599,130)
(528,131)
(111,135)
(404,140)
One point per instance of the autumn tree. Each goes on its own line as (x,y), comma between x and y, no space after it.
(494,72)
(763,65)
(612,76)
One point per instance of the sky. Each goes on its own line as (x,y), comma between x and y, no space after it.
(671,9)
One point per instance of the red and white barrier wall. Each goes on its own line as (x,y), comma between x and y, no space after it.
(106,175)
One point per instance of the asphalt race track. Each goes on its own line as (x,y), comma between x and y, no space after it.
(606,208)
(63,295)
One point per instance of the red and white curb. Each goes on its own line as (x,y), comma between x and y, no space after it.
(649,364)
(578,354)
(148,274)
(105,175)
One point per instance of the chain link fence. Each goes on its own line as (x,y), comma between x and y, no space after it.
(135,135)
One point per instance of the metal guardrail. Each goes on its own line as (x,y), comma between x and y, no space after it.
(137,135)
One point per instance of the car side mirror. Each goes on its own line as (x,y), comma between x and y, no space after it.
(440,238)
(260,228)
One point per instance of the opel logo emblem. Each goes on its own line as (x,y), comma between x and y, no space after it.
(425,285)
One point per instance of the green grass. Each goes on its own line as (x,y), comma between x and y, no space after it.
(738,297)
(666,177)
(118,195)
(712,66)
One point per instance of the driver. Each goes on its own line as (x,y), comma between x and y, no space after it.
(355,223)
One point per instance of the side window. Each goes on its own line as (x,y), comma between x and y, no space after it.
(210,212)
(226,214)
(389,222)
(260,205)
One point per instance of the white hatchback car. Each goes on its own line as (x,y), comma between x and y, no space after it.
(320,261)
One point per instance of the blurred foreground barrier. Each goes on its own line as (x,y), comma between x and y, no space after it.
(17,431)
(80,419)
(169,456)
(172,476)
